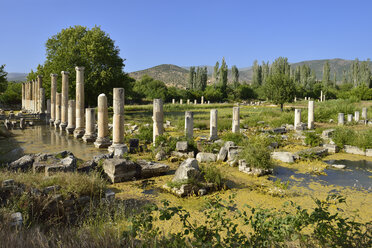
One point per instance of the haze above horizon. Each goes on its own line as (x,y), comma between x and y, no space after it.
(186,33)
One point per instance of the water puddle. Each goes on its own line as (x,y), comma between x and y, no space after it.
(45,139)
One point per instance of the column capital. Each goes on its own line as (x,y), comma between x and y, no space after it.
(79,68)
(65,72)
(53,75)
(39,76)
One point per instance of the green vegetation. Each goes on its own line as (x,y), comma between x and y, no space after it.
(312,139)
(211,174)
(256,153)
(347,136)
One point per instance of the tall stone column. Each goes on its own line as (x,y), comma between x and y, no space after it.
(356,116)
(42,101)
(310,116)
(297,118)
(341,119)
(64,101)
(189,124)
(71,117)
(195,101)
(32,96)
(26,96)
(118,147)
(79,131)
(349,118)
(236,120)
(53,90)
(321,96)
(38,87)
(158,119)
(181,101)
(58,110)
(364,113)
(213,124)
(188,101)
(90,125)
(209,102)
(102,140)
(23,96)
(48,108)
(202,100)
(173,101)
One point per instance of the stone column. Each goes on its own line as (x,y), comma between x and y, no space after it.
(32,96)
(236,120)
(64,103)
(42,101)
(79,131)
(181,101)
(310,116)
(118,147)
(173,101)
(297,118)
(90,125)
(102,140)
(71,117)
(364,113)
(209,102)
(38,87)
(321,96)
(188,101)
(23,96)
(189,124)
(48,108)
(26,96)
(213,124)
(53,90)
(356,116)
(349,118)
(202,100)
(158,119)
(195,101)
(341,119)
(295,99)
(57,121)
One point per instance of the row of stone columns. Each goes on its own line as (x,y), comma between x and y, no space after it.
(33,96)
(310,117)
(350,117)
(188,101)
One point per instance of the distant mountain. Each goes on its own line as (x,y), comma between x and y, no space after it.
(16,76)
(178,76)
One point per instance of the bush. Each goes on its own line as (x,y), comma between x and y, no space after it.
(212,174)
(237,138)
(343,136)
(312,139)
(257,154)
(145,134)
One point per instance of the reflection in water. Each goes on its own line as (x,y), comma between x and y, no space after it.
(45,139)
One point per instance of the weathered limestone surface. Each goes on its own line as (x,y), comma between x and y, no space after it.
(79,130)
(102,140)
(53,90)
(120,170)
(189,124)
(364,113)
(213,124)
(286,157)
(205,157)
(354,150)
(39,85)
(118,147)
(48,107)
(42,100)
(64,101)
(181,146)
(341,119)
(356,116)
(187,169)
(236,120)
(326,134)
(90,125)
(71,117)
(331,148)
(349,118)
(151,169)
(244,167)
(310,118)
(297,118)
(158,119)
(58,110)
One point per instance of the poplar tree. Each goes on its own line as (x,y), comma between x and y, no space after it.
(223,77)
(191,77)
(326,74)
(216,72)
(235,76)
(265,69)
(204,78)
(355,72)
(257,74)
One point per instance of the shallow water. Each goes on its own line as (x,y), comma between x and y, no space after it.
(358,174)
(39,139)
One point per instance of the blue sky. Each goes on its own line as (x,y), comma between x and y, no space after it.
(185,33)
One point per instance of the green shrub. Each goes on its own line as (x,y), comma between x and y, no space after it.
(212,174)
(237,138)
(257,154)
(363,139)
(145,134)
(312,139)
(343,136)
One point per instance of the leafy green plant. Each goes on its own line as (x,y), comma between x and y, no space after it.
(343,136)
(212,174)
(312,139)
(237,138)
(257,154)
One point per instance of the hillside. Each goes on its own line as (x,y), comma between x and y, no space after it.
(16,76)
(172,75)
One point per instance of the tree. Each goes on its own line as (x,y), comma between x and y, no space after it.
(280,88)
(191,77)
(150,88)
(354,68)
(235,76)
(257,74)
(216,72)
(3,79)
(265,70)
(281,66)
(204,78)
(223,77)
(326,74)
(91,48)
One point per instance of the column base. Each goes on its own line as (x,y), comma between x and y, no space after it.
(56,124)
(102,142)
(70,130)
(78,133)
(118,149)
(89,138)
(62,126)
(51,122)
